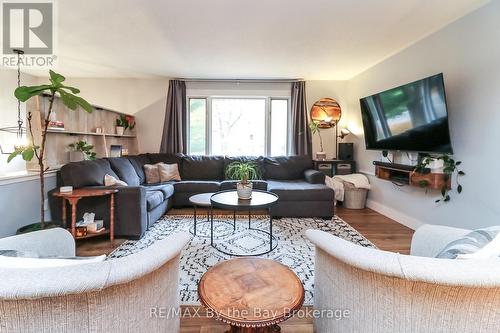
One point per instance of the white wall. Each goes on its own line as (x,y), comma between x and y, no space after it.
(337,90)
(468,53)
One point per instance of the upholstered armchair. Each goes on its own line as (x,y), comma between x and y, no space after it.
(117,295)
(393,293)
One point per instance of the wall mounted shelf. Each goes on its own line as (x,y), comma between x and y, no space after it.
(405,175)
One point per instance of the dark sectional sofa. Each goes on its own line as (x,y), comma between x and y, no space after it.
(301,190)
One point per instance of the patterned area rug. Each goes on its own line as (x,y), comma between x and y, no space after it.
(293,249)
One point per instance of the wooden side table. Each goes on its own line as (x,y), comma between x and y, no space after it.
(77,194)
(251,294)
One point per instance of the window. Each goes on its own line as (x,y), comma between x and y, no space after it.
(238,125)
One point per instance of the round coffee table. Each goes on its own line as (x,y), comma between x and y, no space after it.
(260,200)
(203,200)
(246,293)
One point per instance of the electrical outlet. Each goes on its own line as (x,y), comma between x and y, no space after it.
(46,204)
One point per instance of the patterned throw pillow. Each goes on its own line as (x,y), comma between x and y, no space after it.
(470,243)
(113,181)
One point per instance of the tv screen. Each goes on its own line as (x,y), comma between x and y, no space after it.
(412,117)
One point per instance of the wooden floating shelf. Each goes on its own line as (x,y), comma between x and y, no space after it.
(90,133)
(433,181)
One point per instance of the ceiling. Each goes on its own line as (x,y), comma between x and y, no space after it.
(311,39)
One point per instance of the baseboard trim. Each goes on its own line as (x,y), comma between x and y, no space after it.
(394,214)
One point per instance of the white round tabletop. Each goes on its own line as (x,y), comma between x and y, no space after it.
(202,199)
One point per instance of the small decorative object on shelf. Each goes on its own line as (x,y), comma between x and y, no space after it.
(243,171)
(123,123)
(449,167)
(66,189)
(115,151)
(80,151)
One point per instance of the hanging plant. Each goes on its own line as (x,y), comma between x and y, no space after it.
(450,167)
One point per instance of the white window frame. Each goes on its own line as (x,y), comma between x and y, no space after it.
(268,126)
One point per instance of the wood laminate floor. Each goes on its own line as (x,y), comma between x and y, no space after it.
(385,233)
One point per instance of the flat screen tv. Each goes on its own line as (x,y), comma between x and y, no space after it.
(412,117)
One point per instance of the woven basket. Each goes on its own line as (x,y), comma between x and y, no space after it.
(354,198)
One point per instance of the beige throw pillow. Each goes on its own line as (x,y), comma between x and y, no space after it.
(168,172)
(113,181)
(152,173)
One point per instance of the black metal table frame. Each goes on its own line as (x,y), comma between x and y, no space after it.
(250,209)
(209,214)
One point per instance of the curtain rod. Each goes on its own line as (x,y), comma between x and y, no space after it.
(241,80)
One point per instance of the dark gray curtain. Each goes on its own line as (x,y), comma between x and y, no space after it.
(174,138)
(301,133)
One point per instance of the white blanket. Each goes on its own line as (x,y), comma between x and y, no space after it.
(357,179)
(337,183)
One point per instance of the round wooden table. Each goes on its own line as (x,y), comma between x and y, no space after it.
(251,294)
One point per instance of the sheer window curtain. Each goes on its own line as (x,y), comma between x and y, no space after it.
(174,137)
(301,133)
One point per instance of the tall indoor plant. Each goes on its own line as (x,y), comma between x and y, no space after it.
(244,172)
(315,128)
(68,98)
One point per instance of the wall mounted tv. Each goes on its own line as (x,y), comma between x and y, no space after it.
(412,117)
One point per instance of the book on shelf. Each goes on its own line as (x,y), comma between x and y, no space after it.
(56,125)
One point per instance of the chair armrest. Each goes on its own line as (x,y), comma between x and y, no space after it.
(55,242)
(428,240)
(314,176)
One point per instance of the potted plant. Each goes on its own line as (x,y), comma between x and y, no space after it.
(448,166)
(69,98)
(244,172)
(80,151)
(315,128)
(124,122)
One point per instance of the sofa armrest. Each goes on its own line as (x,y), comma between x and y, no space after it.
(428,240)
(314,176)
(55,242)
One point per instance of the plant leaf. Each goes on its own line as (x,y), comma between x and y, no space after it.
(72,89)
(437,200)
(459,188)
(28,154)
(24,93)
(67,99)
(461,173)
(56,78)
(13,154)
(447,198)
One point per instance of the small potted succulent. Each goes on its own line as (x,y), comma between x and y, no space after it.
(80,151)
(123,123)
(244,172)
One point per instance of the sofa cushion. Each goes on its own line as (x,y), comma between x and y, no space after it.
(125,170)
(86,173)
(197,186)
(202,168)
(258,160)
(300,190)
(231,185)
(287,167)
(138,162)
(165,158)
(154,199)
(166,188)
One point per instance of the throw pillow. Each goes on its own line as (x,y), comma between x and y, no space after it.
(470,243)
(152,173)
(168,172)
(113,181)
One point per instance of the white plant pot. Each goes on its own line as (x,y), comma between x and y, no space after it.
(321,156)
(244,191)
(76,156)
(120,130)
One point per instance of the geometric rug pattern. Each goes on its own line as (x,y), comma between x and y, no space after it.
(293,250)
